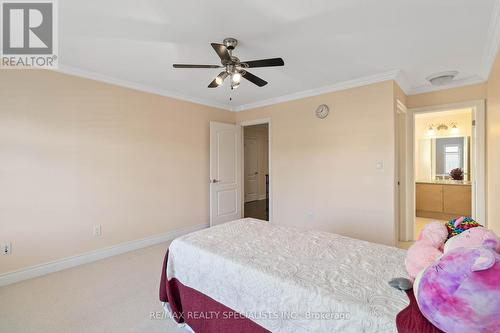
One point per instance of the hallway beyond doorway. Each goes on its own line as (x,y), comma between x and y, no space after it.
(256,209)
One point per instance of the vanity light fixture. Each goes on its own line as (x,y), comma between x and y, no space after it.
(431,131)
(442,127)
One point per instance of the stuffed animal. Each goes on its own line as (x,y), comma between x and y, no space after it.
(460,292)
(472,237)
(426,249)
(459,225)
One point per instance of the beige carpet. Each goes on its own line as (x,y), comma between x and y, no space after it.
(116,294)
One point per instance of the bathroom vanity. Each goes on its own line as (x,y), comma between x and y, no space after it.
(443,200)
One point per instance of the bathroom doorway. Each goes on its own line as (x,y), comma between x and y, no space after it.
(256,171)
(445,150)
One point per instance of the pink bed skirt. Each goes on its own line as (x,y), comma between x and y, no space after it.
(200,312)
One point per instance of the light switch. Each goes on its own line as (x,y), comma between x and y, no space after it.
(379,165)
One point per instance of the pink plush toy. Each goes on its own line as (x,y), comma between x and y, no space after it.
(427,248)
(472,238)
(460,292)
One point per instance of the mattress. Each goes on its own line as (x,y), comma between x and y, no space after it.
(289,280)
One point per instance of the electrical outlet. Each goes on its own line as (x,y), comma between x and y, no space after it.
(6,249)
(97,230)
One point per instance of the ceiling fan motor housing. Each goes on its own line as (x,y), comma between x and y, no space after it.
(230,43)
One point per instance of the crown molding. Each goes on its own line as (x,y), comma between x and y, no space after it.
(386,76)
(69,70)
(403,82)
(391,75)
(492,42)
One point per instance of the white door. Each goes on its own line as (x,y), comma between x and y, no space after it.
(251,169)
(225,172)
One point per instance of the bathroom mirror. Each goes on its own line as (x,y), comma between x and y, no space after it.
(436,157)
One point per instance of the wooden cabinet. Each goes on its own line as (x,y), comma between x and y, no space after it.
(457,200)
(430,197)
(443,201)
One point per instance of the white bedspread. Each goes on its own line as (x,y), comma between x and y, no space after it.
(288,280)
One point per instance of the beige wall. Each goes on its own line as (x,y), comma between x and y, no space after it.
(448,96)
(493,144)
(75,152)
(324,172)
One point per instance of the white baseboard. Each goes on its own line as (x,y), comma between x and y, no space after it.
(84,258)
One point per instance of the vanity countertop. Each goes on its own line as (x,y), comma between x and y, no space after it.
(445,182)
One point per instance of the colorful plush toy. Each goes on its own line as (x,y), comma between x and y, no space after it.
(460,292)
(427,248)
(459,225)
(472,237)
(436,236)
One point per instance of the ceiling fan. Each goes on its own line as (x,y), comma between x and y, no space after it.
(233,67)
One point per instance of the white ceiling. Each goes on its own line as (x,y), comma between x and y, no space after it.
(326,45)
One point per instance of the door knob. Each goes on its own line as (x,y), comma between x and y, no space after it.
(256,173)
(215,181)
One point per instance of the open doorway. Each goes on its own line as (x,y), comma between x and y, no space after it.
(256,171)
(442,176)
(443,166)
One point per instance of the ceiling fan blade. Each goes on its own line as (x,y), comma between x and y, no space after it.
(214,83)
(195,66)
(263,63)
(222,52)
(254,79)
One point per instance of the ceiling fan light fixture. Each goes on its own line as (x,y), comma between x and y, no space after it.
(235,85)
(443,78)
(219,80)
(236,78)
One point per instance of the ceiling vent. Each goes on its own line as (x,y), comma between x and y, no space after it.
(442,79)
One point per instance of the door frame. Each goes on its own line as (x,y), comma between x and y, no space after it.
(243,160)
(479,163)
(402,169)
(269,161)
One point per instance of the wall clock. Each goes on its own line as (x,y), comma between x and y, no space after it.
(322,111)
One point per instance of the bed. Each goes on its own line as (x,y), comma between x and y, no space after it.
(252,276)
